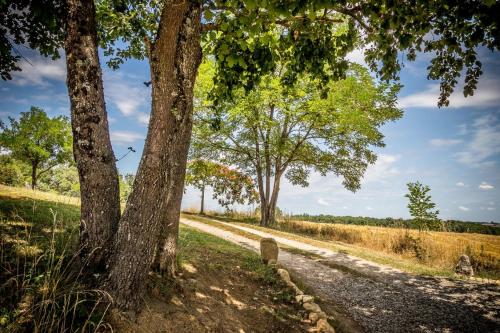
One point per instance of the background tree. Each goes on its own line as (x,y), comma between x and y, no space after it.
(38,140)
(126,184)
(421,206)
(278,131)
(62,179)
(12,172)
(229,185)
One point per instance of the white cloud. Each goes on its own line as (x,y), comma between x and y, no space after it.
(444,142)
(369,208)
(485,142)
(128,94)
(485,186)
(323,202)
(125,137)
(39,71)
(463,208)
(382,169)
(460,184)
(490,208)
(486,95)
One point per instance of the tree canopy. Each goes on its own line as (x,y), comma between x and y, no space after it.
(278,130)
(38,140)
(248,39)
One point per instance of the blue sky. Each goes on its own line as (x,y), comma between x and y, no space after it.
(455,150)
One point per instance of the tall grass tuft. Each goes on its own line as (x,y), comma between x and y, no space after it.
(41,286)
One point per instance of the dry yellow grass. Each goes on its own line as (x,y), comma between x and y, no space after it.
(436,249)
(21,192)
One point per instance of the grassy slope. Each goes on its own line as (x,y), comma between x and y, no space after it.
(374,243)
(38,236)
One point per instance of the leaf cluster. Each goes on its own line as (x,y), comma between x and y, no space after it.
(38,139)
(229,186)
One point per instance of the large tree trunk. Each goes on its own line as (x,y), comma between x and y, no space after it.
(175,56)
(95,160)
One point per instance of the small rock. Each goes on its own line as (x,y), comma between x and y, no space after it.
(464,267)
(321,315)
(323,326)
(313,317)
(284,275)
(304,298)
(269,250)
(311,307)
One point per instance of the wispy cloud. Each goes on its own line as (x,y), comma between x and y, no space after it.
(460,184)
(444,142)
(129,96)
(39,71)
(125,137)
(382,169)
(323,202)
(485,186)
(486,95)
(463,208)
(485,142)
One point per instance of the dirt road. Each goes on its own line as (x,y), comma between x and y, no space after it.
(377,298)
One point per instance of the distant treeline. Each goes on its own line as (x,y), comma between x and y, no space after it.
(449,225)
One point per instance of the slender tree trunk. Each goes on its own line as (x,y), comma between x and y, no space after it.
(175,56)
(274,199)
(34,166)
(95,160)
(202,208)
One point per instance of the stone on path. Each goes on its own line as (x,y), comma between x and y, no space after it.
(464,266)
(269,250)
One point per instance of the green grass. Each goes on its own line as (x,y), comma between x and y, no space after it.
(38,240)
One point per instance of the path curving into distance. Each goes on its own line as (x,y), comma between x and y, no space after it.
(380,298)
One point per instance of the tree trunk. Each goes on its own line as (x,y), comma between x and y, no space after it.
(95,160)
(155,199)
(274,199)
(202,208)
(34,166)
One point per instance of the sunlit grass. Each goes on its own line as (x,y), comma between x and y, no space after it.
(420,252)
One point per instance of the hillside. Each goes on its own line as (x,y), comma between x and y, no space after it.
(221,286)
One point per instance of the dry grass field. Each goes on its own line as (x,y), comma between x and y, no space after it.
(437,249)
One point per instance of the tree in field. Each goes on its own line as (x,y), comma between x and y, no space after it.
(247,39)
(277,131)
(126,184)
(38,140)
(229,186)
(62,179)
(421,206)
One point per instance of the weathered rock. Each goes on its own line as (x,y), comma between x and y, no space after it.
(464,266)
(284,275)
(323,326)
(313,317)
(311,307)
(269,250)
(304,298)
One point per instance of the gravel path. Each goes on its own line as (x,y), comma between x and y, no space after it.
(379,298)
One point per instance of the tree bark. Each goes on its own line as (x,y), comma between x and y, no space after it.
(95,160)
(153,207)
(34,166)
(202,208)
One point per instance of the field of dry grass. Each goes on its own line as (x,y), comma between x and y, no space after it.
(436,249)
